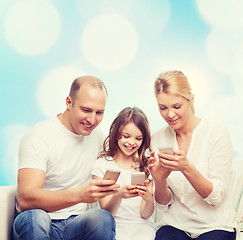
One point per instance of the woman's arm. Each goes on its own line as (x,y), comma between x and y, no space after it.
(212,187)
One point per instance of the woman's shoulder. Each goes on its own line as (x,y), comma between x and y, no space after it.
(162,132)
(209,125)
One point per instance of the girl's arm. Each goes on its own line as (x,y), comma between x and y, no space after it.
(147,205)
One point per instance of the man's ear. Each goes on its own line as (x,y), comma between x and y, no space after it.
(192,99)
(69,102)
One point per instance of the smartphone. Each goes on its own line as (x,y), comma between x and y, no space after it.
(112,175)
(167,150)
(138,178)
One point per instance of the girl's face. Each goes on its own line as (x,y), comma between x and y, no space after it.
(175,110)
(131,139)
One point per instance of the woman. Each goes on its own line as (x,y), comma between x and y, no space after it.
(191,184)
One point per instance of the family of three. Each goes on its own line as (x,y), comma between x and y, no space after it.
(59,172)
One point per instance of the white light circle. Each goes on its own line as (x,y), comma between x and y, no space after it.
(222,47)
(239,59)
(221,13)
(109,42)
(32,27)
(12,135)
(226,110)
(54,88)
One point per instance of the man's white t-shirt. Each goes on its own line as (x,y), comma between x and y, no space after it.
(65,157)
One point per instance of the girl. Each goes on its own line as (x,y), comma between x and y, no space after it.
(124,150)
(191,184)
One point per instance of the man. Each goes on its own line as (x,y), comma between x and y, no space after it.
(55,160)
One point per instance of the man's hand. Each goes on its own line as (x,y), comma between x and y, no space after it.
(94,190)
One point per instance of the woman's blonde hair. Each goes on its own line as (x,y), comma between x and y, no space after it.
(174,82)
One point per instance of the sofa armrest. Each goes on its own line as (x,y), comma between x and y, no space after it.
(7,206)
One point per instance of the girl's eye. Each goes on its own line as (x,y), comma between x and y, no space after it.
(139,139)
(125,136)
(162,108)
(177,107)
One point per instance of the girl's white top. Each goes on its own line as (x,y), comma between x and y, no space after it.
(128,214)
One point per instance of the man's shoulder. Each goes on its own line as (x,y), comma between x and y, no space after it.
(41,128)
(97,133)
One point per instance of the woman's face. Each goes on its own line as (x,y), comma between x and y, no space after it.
(175,109)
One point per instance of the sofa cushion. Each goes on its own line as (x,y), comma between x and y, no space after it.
(237,189)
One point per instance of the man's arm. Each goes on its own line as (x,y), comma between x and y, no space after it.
(31,194)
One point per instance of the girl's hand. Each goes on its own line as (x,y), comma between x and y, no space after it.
(147,204)
(158,171)
(177,162)
(127,191)
(146,191)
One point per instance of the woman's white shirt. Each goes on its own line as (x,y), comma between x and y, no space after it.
(210,152)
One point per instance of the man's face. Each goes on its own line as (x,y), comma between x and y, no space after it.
(87,111)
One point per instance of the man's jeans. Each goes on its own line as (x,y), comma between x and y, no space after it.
(95,224)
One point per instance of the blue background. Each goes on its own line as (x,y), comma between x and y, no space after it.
(45,45)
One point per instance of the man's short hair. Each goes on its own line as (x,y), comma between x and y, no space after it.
(78,82)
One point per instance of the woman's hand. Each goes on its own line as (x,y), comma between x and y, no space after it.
(176,162)
(158,170)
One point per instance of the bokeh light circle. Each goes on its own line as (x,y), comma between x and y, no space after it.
(221,13)
(32,27)
(222,47)
(54,88)
(109,42)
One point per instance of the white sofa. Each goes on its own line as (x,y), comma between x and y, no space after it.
(7,210)
(7,201)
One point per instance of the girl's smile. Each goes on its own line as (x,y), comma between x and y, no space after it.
(131,139)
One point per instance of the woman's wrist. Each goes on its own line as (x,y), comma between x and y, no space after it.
(162,182)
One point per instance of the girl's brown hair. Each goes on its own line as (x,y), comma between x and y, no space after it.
(137,117)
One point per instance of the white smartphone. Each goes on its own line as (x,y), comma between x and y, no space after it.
(138,178)
(167,150)
(112,175)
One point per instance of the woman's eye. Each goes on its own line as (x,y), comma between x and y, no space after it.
(177,107)
(125,136)
(139,139)
(162,108)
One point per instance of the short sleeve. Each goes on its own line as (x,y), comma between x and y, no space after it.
(99,168)
(33,153)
